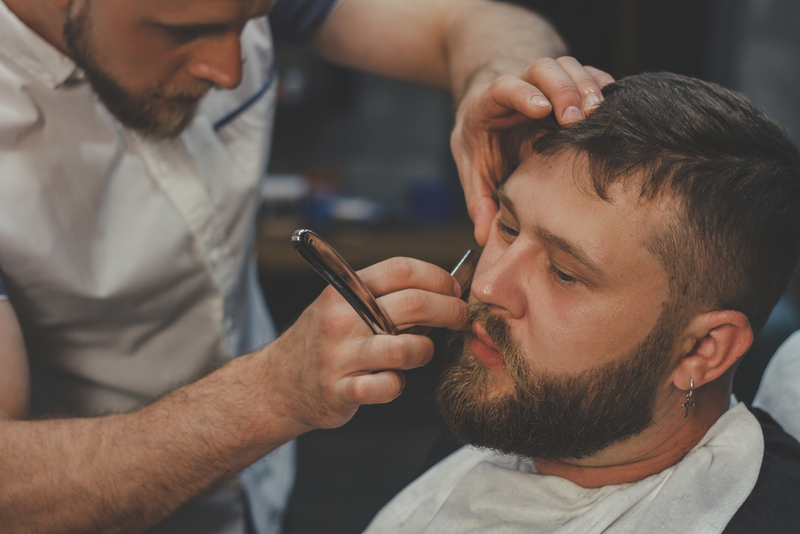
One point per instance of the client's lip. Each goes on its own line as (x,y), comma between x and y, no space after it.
(484,349)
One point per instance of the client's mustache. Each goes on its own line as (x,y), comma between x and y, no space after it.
(496,327)
(499,332)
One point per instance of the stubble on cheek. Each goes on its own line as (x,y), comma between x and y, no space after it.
(158,113)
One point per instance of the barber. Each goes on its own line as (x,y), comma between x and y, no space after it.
(134,135)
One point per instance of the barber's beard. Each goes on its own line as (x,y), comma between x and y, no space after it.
(551,416)
(146,113)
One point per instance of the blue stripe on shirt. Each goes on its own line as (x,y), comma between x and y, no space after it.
(273,72)
(290,20)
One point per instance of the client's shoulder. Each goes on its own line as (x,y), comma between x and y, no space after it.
(772,505)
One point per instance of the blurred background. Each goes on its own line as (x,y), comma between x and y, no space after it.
(365,162)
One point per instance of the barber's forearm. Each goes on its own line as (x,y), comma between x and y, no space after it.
(128,472)
(490,39)
(446,43)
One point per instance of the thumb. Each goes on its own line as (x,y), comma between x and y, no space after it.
(482,212)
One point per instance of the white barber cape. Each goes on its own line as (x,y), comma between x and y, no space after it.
(779,392)
(483,491)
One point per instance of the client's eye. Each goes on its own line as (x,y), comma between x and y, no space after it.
(509,232)
(561,276)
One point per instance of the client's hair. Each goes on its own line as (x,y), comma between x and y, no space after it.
(735,240)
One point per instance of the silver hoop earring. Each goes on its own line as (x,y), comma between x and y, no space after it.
(688,404)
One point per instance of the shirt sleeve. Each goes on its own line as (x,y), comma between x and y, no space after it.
(3,294)
(293,20)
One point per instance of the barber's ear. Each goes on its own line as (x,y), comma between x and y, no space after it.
(711,344)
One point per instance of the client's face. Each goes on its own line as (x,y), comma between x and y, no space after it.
(569,349)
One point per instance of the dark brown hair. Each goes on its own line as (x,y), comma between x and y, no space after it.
(735,240)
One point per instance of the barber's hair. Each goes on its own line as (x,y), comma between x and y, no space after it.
(734,241)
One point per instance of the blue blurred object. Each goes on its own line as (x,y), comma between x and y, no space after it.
(321,209)
(431,203)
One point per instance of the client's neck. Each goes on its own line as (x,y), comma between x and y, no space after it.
(663,444)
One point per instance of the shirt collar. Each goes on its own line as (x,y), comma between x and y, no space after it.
(28,53)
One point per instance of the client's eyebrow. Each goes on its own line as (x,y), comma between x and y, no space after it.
(573,250)
(577,253)
(506,202)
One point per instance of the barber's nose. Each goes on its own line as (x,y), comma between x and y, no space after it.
(500,282)
(219,60)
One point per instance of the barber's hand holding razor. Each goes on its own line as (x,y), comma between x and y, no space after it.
(329,362)
(489,112)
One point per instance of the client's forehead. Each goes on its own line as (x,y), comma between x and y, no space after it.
(554,198)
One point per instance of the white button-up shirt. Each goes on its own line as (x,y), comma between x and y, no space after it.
(130,263)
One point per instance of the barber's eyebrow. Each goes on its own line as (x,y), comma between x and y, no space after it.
(200,28)
(190,30)
(573,250)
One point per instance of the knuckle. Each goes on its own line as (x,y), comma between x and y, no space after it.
(587,86)
(502,90)
(542,64)
(519,92)
(334,323)
(502,81)
(566,60)
(401,269)
(414,301)
(566,91)
(393,382)
(359,391)
(460,311)
(394,355)
(328,390)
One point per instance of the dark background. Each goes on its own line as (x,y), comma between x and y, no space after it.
(356,135)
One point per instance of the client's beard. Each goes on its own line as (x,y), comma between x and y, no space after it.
(551,416)
(138,112)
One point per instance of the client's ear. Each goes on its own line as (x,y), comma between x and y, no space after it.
(712,343)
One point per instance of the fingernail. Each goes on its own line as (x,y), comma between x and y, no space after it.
(540,101)
(572,114)
(592,101)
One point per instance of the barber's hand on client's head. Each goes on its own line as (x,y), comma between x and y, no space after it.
(329,362)
(489,112)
